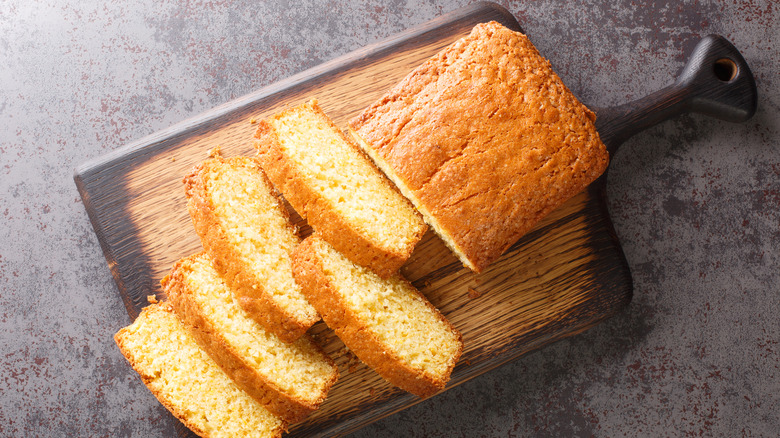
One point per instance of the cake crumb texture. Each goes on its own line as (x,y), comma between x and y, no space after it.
(245,229)
(290,379)
(328,180)
(386,323)
(188,382)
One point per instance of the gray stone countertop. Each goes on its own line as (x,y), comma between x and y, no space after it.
(695,203)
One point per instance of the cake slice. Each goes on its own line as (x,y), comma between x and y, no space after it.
(188,382)
(387,323)
(485,139)
(245,229)
(290,379)
(330,182)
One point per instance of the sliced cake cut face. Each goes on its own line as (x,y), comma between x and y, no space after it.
(485,139)
(332,183)
(290,379)
(188,382)
(245,229)
(387,323)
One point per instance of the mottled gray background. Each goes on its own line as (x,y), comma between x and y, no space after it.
(696,204)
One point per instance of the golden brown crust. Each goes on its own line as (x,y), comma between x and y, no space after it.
(485,139)
(258,386)
(358,337)
(120,338)
(250,293)
(355,244)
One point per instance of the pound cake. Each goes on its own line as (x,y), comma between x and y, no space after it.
(188,382)
(330,182)
(290,379)
(485,139)
(245,229)
(386,323)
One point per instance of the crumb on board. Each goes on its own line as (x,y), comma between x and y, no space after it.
(352,363)
(215,151)
(253,120)
(474,294)
(173,158)
(152,299)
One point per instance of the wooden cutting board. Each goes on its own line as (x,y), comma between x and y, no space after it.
(565,276)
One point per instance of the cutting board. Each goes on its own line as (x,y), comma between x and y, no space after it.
(566,275)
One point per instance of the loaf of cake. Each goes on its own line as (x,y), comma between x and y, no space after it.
(290,379)
(188,382)
(329,181)
(386,323)
(485,139)
(245,229)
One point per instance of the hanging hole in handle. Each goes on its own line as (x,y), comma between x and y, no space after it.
(725,69)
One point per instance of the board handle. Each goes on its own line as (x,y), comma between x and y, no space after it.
(716,81)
